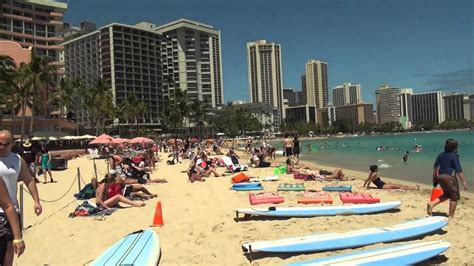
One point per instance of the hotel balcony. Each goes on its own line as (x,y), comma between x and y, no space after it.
(30,36)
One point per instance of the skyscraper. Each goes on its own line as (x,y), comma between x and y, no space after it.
(387,104)
(346,94)
(456,106)
(33,23)
(265,79)
(406,107)
(428,108)
(127,57)
(194,61)
(316,73)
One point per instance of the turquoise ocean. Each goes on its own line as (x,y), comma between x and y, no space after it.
(358,153)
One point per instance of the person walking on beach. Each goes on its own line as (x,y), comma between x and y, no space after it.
(288,146)
(29,154)
(12,169)
(296,149)
(10,228)
(446,171)
(45,160)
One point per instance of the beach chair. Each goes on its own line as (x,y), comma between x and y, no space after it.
(320,197)
(233,167)
(265,197)
(349,197)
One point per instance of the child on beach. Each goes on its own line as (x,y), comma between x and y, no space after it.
(446,170)
(375,178)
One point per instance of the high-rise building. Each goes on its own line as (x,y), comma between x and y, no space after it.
(428,108)
(387,104)
(361,113)
(470,105)
(302,113)
(194,61)
(126,57)
(316,73)
(294,97)
(303,90)
(265,79)
(406,107)
(456,106)
(34,23)
(346,94)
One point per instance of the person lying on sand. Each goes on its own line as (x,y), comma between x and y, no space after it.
(375,178)
(120,185)
(322,174)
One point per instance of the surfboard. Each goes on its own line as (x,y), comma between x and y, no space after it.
(405,254)
(138,248)
(320,210)
(351,239)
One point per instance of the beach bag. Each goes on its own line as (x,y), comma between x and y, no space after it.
(86,192)
(240,178)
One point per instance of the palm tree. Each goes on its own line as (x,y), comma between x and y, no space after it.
(42,78)
(63,96)
(97,100)
(7,66)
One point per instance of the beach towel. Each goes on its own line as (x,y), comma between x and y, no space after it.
(87,209)
(291,187)
(267,178)
(279,170)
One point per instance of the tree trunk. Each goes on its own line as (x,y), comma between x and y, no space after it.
(32,115)
(23,118)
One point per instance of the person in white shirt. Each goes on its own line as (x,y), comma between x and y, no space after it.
(13,169)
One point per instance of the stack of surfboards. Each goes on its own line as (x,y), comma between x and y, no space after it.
(400,255)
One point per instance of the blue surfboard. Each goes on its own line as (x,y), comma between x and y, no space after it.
(352,239)
(138,248)
(405,254)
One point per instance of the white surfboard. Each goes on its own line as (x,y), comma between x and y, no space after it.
(405,254)
(351,239)
(320,210)
(138,248)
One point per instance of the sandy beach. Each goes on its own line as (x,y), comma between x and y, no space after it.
(199,220)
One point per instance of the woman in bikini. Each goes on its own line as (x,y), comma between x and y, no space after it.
(107,201)
(319,174)
(375,178)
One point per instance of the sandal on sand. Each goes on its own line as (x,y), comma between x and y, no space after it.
(428,209)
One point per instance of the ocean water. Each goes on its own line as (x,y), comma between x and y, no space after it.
(359,153)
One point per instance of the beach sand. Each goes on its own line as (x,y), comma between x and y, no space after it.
(199,225)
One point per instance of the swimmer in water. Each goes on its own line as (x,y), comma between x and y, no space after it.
(405,157)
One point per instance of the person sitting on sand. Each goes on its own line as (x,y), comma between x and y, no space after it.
(375,178)
(106,201)
(216,150)
(120,185)
(193,173)
(205,167)
(258,159)
(319,174)
(233,156)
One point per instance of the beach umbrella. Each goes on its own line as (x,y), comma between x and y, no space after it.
(210,141)
(68,137)
(102,139)
(120,141)
(141,140)
(53,138)
(171,141)
(194,140)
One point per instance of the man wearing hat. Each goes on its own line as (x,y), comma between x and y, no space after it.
(29,154)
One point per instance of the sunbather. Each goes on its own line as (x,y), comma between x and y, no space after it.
(375,178)
(336,174)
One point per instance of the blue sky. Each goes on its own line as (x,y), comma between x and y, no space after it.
(422,44)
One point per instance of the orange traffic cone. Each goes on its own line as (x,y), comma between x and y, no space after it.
(436,193)
(158,219)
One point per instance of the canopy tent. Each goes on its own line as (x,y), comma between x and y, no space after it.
(141,140)
(86,137)
(102,139)
(47,134)
(69,138)
(38,138)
